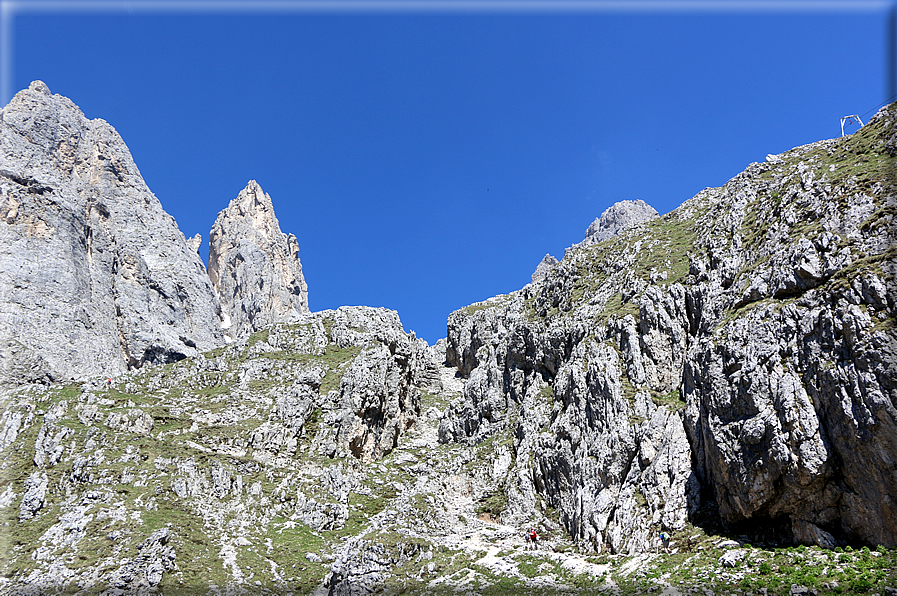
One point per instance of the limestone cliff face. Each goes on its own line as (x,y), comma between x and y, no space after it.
(736,355)
(254,266)
(95,277)
(743,344)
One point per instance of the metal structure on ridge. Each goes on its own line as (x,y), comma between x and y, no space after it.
(849,120)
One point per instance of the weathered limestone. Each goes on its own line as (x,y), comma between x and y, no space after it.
(95,277)
(740,350)
(744,342)
(617,218)
(254,266)
(543,268)
(321,400)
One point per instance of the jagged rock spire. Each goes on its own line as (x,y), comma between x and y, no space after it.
(254,266)
(548,261)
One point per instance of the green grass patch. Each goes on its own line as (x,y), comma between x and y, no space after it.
(672,401)
(493,503)
(333,358)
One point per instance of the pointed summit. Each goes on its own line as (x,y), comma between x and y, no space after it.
(95,276)
(254,266)
(548,261)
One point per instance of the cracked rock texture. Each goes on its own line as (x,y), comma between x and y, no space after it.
(254,266)
(95,277)
(617,218)
(203,459)
(743,344)
(729,366)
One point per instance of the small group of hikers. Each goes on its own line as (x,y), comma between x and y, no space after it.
(532,539)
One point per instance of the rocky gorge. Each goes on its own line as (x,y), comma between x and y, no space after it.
(724,373)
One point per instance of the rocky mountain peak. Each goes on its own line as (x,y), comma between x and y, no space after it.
(95,277)
(40,87)
(254,266)
(545,265)
(254,205)
(617,218)
(735,354)
(720,377)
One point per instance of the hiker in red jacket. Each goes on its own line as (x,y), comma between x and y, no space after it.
(532,538)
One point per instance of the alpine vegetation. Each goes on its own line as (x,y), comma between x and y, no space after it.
(700,402)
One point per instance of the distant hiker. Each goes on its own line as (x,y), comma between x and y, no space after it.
(108,383)
(664,540)
(532,538)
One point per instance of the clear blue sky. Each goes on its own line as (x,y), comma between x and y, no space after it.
(426,161)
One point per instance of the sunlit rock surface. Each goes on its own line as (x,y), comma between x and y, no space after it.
(95,277)
(254,266)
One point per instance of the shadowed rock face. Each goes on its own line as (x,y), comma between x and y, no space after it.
(254,266)
(95,277)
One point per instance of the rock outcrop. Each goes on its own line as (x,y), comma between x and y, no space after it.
(254,266)
(543,268)
(743,345)
(728,367)
(295,409)
(95,277)
(617,218)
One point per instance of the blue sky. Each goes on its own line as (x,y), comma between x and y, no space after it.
(429,159)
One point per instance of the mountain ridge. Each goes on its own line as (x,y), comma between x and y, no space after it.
(724,373)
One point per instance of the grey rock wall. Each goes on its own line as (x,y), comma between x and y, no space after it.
(743,344)
(95,277)
(254,266)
